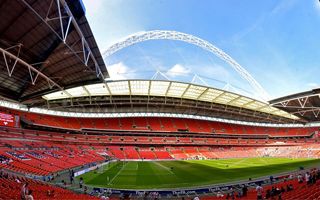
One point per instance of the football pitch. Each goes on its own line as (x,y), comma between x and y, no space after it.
(192,173)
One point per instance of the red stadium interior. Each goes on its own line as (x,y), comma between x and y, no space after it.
(48,48)
(139,138)
(50,144)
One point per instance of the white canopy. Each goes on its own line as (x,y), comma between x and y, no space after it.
(168,89)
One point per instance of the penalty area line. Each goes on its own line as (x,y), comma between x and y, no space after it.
(123,166)
(164,167)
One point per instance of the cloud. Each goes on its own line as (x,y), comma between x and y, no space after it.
(215,71)
(119,71)
(93,6)
(178,70)
(111,20)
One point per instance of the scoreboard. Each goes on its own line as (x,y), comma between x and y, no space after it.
(9,120)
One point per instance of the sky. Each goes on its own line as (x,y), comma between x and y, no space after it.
(276,41)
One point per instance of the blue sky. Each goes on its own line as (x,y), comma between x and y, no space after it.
(277,42)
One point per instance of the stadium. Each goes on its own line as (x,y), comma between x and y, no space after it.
(70,131)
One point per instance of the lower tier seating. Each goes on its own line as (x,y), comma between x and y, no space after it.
(10,188)
(287,190)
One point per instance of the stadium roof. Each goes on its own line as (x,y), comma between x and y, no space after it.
(46,46)
(131,89)
(50,60)
(305,105)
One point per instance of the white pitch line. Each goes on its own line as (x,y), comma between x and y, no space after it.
(238,162)
(117,173)
(164,167)
(261,159)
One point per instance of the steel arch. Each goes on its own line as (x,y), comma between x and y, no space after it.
(175,35)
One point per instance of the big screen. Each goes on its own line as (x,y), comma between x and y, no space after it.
(7,120)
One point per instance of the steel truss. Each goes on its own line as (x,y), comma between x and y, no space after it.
(302,105)
(66,20)
(163,104)
(33,72)
(174,35)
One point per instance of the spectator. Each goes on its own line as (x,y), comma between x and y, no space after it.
(24,190)
(271,179)
(244,190)
(49,193)
(17,180)
(290,176)
(268,194)
(29,196)
(64,183)
(232,193)
(313,178)
(300,179)
(71,179)
(102,197)
(289,188)
(282,189)
(219,194)
(81,182)
(259,190)
(307,178)
(273,192)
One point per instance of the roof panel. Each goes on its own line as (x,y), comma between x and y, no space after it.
(119,88)
(56,95)
(210,94)
(24,22)
(139,87)
(193,92)
(255,105)
(171,89)
(159,88)
(240,101)
(176,89)
(77,91)
(226,97)
(98,89)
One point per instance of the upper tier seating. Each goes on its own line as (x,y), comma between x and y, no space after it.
(158,124)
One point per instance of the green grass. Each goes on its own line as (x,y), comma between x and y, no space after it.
(179,174)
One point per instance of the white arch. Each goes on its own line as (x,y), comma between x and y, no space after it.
(174,35)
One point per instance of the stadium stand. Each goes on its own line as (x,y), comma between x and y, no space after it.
(162,124)
(43,152)
(48,133)
(10,188)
